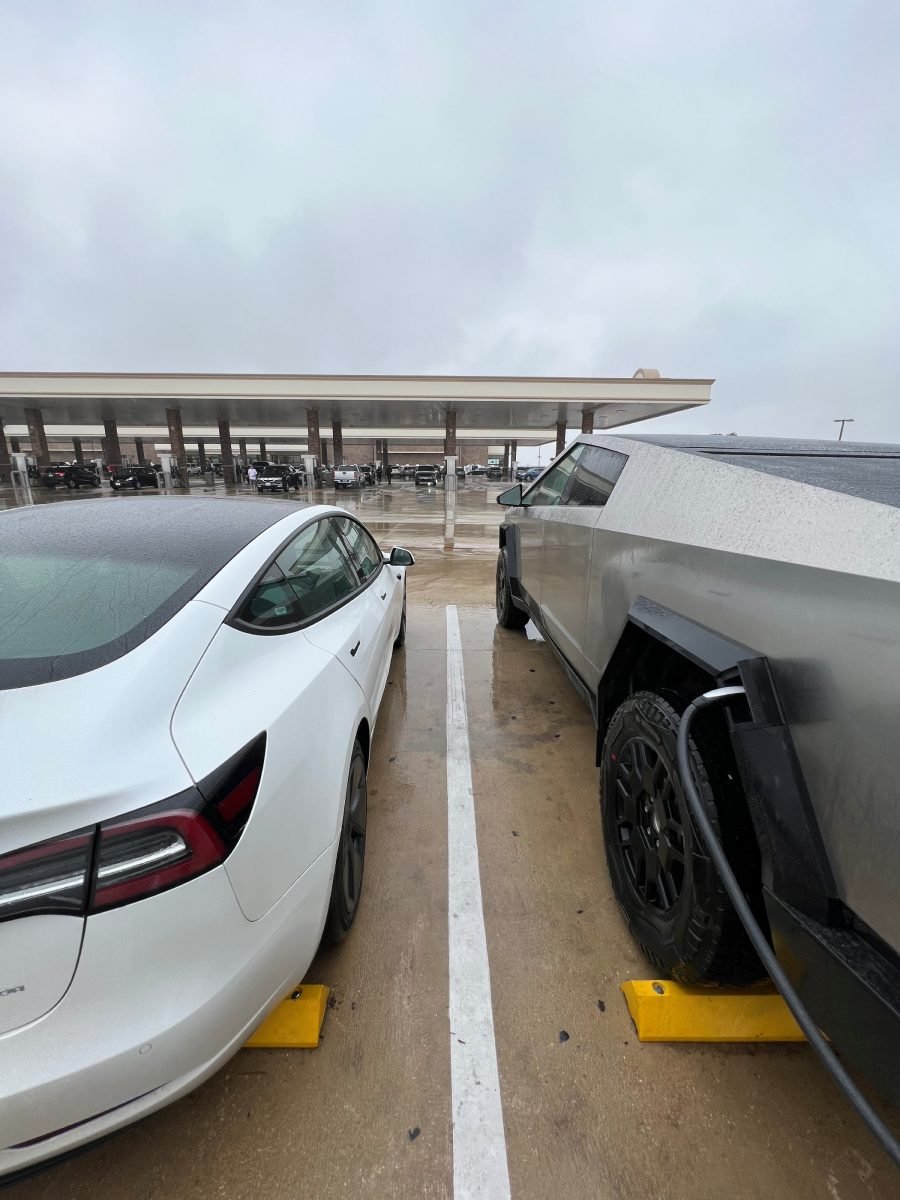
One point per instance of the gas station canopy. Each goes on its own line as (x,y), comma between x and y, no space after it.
(366,405)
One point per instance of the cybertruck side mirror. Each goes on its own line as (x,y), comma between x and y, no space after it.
(512,497)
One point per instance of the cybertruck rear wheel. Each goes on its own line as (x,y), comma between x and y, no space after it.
(664,881)
(508,615)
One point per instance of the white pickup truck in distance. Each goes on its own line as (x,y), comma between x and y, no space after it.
(347,477)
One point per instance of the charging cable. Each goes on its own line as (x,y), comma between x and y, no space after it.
(829,1059)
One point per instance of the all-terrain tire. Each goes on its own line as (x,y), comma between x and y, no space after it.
(667,887)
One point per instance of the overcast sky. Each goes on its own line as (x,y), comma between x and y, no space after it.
(472,186)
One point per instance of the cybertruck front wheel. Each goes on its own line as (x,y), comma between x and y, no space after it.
(508,615)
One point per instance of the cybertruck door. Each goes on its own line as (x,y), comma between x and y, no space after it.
(531,520)
(531,540)
(568,542)
(539,522)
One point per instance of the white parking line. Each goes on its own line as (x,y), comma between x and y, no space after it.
(479,1144)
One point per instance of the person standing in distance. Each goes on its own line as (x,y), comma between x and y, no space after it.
(251,476)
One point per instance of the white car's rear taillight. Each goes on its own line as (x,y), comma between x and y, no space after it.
(48,877)
(140,854)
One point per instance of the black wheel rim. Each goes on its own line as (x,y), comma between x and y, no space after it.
(354,840)
(649,826)
(501,584)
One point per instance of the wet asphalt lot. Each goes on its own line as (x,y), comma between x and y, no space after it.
(593,1115)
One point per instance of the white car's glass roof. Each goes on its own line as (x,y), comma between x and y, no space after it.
(82,583)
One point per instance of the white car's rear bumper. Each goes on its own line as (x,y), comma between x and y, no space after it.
(165,992)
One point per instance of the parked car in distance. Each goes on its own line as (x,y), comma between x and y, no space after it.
(278,477)
(460,472)
(368,472)
(494,472)
(478,469)
(71,475)
(659,568)
(188,851)
(529,474)
(348,476)
(427,476)
(136,477)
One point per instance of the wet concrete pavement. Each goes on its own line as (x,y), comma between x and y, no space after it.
(595,1115)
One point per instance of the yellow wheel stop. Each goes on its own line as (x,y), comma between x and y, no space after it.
(296,1023)
(665,1011)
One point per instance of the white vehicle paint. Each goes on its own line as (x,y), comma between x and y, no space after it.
(109,1012)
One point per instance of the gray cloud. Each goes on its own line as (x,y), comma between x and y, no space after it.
(399,185)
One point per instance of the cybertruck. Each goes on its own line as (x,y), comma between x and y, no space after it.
(660,567)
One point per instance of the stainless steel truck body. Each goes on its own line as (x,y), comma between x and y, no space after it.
(658,565)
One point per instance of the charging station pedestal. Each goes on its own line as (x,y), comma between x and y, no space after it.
(165,462)
(450,477)
(309,470)
(19,478)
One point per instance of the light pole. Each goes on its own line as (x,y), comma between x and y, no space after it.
(842,421)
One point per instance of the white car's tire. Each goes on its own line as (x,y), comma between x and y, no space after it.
(346,887)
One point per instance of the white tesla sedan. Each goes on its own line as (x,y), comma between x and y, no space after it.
(188,690)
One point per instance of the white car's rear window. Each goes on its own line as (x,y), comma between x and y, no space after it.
(85,582)
(53,604)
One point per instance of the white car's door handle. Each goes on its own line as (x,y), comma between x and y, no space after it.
(383,594)
(354,650)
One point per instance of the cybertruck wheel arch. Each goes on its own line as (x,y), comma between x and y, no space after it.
(664,650)
(509,541)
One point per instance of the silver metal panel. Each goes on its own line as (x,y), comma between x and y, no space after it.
(566,577)
(531,544)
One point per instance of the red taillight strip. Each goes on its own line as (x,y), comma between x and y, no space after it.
(50,877)
(234,803)
(56,887)
(45,850)
(144,852)
(204,849)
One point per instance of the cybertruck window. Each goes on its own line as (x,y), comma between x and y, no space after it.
(595,477)
(549,488)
